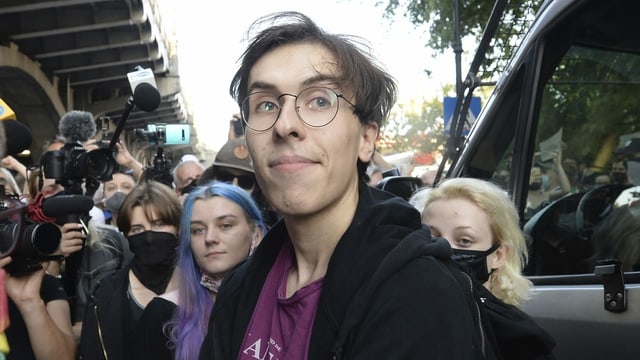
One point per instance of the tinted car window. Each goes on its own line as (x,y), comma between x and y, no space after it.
(565,150)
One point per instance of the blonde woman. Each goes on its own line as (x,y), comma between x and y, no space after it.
(481,224)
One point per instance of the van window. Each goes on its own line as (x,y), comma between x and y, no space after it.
(589,112)
(569,150)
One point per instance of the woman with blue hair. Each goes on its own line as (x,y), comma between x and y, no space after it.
(220,226)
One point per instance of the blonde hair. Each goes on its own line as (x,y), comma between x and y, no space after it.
(506,282)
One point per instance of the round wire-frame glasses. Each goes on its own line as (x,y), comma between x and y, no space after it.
(316,106)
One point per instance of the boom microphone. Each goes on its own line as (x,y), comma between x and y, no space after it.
(77,126)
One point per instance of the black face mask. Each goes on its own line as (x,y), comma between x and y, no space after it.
(474,262)
(154,258)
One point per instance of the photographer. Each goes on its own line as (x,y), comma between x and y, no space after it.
(40,319)
(123,157)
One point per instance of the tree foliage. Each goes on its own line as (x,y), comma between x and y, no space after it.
(438,15)
(414,127)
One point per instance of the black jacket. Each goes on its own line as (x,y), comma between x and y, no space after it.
(514,335)
(107,325)
(386,293)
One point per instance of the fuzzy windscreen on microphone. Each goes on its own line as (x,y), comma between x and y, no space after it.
(77,126)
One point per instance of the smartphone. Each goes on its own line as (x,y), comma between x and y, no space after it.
(238,129)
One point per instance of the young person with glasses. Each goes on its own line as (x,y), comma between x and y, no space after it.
(349,272)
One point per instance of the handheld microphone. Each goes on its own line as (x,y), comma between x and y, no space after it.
(145,96)
(77,126)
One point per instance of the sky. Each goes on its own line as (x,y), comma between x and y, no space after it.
(211,38)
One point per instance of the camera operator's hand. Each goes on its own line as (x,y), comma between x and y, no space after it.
(48,325)
(24,290)
(124,158)
(71,240)
(91,144)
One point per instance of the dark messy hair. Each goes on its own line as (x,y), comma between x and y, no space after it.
(374,90)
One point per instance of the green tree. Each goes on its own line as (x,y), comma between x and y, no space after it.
(415,126)
(438,15)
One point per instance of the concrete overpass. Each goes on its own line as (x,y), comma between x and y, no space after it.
(62,55)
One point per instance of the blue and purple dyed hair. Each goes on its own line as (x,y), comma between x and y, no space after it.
(188,326)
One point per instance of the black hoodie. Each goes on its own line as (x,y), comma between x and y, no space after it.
(387,292)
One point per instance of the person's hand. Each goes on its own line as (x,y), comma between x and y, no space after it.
(9,162)
(91,144)
(72,239)
(123,156)
(25,289)
(14,164)
(5,261)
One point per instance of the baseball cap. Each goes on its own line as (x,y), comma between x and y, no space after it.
(234,154)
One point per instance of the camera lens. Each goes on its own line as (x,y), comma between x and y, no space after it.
(44,238)
(37,239)
(100,163)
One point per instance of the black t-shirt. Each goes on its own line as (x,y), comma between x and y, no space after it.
(17,335)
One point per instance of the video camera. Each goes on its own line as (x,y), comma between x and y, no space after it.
(163,134)
(27,242)
(72,165)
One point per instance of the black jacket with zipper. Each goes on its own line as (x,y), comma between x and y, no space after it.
(104,329)
(389,292)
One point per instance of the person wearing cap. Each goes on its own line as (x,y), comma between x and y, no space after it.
(233,165)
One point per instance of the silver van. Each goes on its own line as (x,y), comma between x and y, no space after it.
(561,133)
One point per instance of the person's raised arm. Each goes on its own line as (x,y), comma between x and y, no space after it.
(124,158)
(565,184)
(14,164)
(48,325)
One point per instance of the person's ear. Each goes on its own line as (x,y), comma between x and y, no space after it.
(258,233)
(368,136)
(499,256)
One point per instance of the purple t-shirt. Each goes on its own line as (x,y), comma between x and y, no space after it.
(280,328)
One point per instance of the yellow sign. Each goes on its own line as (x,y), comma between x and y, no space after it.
(6,113)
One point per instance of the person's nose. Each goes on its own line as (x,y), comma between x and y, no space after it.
(289,123)
(210,237)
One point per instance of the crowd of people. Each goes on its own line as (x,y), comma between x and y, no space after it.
(282,248)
